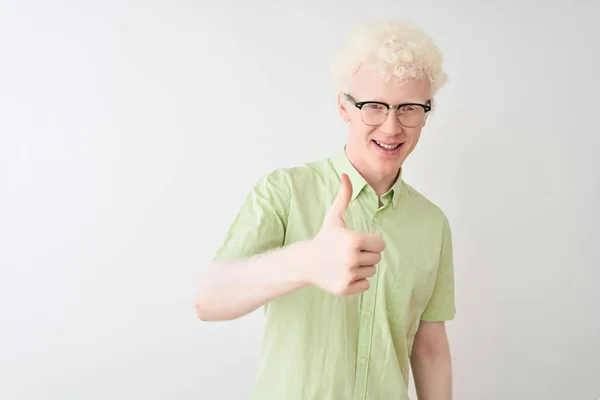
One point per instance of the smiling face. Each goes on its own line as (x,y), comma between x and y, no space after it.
(379,151)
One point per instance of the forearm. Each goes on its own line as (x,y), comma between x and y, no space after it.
(432,374)
(233,288)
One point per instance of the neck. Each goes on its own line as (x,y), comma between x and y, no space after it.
(380,183)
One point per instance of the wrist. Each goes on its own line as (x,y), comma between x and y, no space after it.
(302,261)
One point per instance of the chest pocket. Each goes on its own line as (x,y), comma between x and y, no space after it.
(409,283)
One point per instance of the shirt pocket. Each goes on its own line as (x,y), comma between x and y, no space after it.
(412,286)
(408,291)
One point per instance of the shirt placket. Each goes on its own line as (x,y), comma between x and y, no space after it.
(367,319)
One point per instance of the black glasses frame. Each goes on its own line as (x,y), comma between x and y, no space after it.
(360,104)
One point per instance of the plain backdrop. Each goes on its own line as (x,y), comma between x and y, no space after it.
(132,131)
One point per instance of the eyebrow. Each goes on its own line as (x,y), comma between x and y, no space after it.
(427,102)
(409,101)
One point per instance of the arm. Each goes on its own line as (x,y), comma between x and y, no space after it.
(431,362)
(232,288)
(252,266)
(430,358)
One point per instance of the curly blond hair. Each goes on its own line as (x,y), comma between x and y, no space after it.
(397,50)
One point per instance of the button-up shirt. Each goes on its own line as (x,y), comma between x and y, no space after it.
(322,346)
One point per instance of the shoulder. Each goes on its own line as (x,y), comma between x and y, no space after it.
(290,179)
(424,208)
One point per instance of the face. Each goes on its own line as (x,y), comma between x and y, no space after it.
(372,149)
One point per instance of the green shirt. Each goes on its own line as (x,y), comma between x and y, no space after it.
(320,346)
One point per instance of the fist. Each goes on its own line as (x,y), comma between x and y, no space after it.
(343,259)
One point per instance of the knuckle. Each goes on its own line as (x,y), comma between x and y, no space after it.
(340,289)
(359,242)
(349,276)
(352,259)
(354,241)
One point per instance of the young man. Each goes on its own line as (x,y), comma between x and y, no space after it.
(353,266)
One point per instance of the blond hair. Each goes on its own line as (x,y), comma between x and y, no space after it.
(397,50)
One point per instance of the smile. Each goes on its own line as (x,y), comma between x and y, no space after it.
(387,146)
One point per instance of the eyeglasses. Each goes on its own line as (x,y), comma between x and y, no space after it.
(374,113)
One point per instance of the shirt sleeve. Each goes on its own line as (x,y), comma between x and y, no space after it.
(260,224)
(441,306)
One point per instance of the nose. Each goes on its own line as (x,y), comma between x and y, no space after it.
(391,126)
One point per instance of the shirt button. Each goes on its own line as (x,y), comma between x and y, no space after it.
(367,313)
(362,361)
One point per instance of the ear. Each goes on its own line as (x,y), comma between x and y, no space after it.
(430,103)
(341,103)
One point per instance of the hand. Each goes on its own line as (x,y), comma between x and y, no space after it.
(342,259)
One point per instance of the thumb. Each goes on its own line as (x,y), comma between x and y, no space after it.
(337,211)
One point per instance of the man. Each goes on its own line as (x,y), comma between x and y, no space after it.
(353,267)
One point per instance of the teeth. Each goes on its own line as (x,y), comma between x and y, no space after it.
(387,147)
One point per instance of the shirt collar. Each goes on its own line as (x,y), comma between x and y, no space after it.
(343,165)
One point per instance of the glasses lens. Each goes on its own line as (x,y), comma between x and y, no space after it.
(373,113)
(411,116)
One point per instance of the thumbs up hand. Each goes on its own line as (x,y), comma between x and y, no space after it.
(342,259)
(336,217)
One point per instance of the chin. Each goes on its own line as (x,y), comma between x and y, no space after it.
(388,162)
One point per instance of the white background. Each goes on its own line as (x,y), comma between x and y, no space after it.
(132,131)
